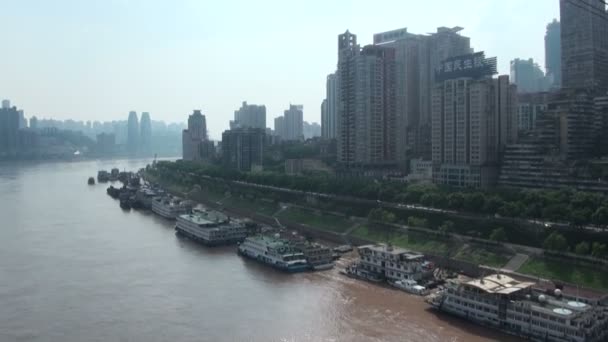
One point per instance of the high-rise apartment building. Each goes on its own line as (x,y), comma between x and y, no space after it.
(417,57)
(133,133)
(311,130)
(348,51)
(9,128)
(145,132)
(250,115)
(474,118)
(529,107)
(279,127)
(569,125)
(584,45)
(329,107)
(243,148)
(325,131)
(194,136)
(528,76)
(294,123)
(34,122)
(367,122)
(553,54)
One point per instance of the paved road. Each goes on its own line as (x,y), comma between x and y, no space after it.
(516,262)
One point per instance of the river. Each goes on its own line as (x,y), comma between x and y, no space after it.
(75,267)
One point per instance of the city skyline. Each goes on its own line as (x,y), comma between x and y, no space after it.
(123,55)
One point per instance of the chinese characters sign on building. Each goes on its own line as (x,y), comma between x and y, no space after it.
(473,65)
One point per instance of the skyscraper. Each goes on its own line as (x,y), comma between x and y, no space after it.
(243,148)
(194,136)
(474,118)
(417,57)
(331,98)
(294,121)
(553,54)
(133,134)
(22,119)
(34,122)
(528,76)
(584,39)
(279,127)
(348,51)
(367,128)
(145,133)
(529,107)
(253,116)
(9,128)
(324,120)
(311,130)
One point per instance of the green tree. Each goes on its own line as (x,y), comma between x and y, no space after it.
(511,209)
(414,221)
(474,202)
(582,248)
(446,227)
(598,250)
(492,204)
(375,214)
(498,235)
(388,216)
(600,216)
(579,217)
(431,199)
(556,242)
(455,200)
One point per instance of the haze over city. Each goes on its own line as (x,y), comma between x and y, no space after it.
(97,61)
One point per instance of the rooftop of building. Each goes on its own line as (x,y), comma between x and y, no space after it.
(396,251)
(270,241)
(500,284)
(205,217)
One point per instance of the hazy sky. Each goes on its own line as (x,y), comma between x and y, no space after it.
(97,60)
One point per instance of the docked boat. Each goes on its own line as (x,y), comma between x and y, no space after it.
(274,252)
(144,197)
(210,227)
(114,174)
(356,271)
(103,176)
(394,263)
(91,181)
(516,307)
(113,192)
(319,257)
(170,207)
(410,286)
(125,201)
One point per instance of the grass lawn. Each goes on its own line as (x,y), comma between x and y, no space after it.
(258,206)
(483,256)
(313,219)
(569,272)
(413,241)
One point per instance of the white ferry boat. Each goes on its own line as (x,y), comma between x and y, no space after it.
(515,307)
(210,227)
(384,262)
(274,252)
(170,207)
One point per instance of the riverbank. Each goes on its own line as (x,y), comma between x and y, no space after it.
(473,255)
